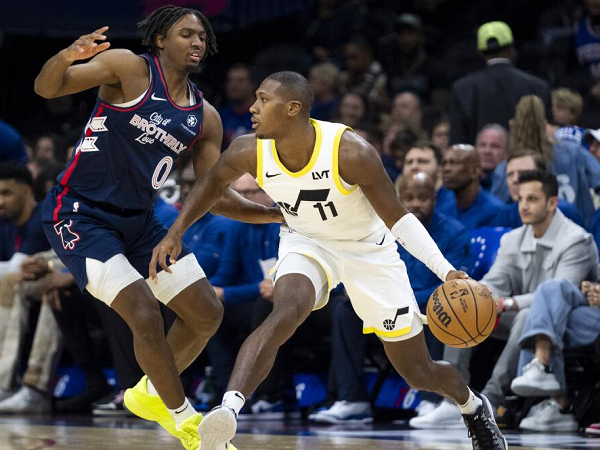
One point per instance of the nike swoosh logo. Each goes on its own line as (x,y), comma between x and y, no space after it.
(238,395)
(154,97)
(271,175)
(382,239)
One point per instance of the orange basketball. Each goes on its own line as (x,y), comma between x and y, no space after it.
(461,313)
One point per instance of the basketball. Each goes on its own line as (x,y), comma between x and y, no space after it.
(461,313)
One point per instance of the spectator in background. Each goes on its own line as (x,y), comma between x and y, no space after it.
(242,277)
(349,344)
(11,145)
(575,168)
(499,84)
(425,157)
(546,247)
(595,229)
(592,138)
(518,162)
(364,75)
(587,43)
(408,65)
(566,109)
(206,237)
(491,144)
(439,132)
(475,207)
(235,114)
(406,112)
(395,144)
(352,110)
(561,317)
(324,82)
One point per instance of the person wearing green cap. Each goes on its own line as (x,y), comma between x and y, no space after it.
(491,94)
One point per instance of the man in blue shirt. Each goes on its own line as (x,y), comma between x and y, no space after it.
(518,162)
(461,171)
(417,193)
(235,115)
(241,278)
(11,144)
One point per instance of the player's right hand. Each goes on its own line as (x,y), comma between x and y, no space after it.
(170,246)
(86,46)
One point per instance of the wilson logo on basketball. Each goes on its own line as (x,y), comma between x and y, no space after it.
(442,315)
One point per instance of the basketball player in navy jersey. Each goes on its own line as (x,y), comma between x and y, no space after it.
(99,217)
(343,218)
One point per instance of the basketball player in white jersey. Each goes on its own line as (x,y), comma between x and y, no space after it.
(343,218)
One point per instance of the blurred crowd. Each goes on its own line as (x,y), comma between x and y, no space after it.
(494,146)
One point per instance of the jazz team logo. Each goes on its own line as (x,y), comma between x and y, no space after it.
(68,236)
(191,120)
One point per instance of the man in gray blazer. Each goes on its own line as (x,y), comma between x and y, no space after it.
(491,94)
(548,246)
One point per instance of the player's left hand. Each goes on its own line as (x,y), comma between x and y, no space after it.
(457,275)
(170,246)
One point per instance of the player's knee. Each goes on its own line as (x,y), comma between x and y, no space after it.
(289,318)
(212,315)
(147,321)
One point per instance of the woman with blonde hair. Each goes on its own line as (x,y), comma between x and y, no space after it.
(575,168)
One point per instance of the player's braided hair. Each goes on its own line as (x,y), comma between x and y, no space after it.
(160,20)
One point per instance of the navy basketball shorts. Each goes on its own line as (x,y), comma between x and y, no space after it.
(106,251)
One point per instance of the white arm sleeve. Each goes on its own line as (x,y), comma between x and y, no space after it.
(413,236)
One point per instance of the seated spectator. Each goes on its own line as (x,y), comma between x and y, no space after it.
(439,132)
(576,170)
(475,207)
(235,114)
(561,317)
(206,237)
(426,157)
(11,145)
(566,109)
(592,138)
(352,110)
(364,75)
(396,142)
(595,229)
(518,162)
(546,247)
(324,82)
(491,144)
(241,278)
(417,193)
(406,112)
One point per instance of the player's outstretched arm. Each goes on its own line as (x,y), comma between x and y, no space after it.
(59,77)
(360,164)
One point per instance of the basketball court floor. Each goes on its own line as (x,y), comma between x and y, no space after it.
(85,432)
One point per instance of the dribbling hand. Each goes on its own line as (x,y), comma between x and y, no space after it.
(85,47)
(457,275)
(170,246)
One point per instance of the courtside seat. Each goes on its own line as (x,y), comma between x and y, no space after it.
(485,242)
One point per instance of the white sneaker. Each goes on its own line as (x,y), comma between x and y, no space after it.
(344,412)
(425,407)
(548,417)
(217,428)
(26,401)
(446,415)
(5,394)
(536,381)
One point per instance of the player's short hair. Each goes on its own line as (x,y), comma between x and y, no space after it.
(161,19)
(296,87)
(547,178)
(427,145)
(540,163)
(569,99)
(12,170)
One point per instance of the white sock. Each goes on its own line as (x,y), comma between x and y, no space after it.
(182,413)
(235,400)
(150,387)
(472,404)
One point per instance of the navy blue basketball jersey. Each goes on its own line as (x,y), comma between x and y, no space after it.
(126,152)
(587,46)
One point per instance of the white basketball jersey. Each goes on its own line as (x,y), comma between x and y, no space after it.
(315,201)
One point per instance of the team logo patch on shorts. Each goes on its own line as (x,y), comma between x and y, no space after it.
(390,324)
(67,236)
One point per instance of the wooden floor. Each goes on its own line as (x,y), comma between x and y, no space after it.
(75,433)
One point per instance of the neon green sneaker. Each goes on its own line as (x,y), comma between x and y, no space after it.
(149,407)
